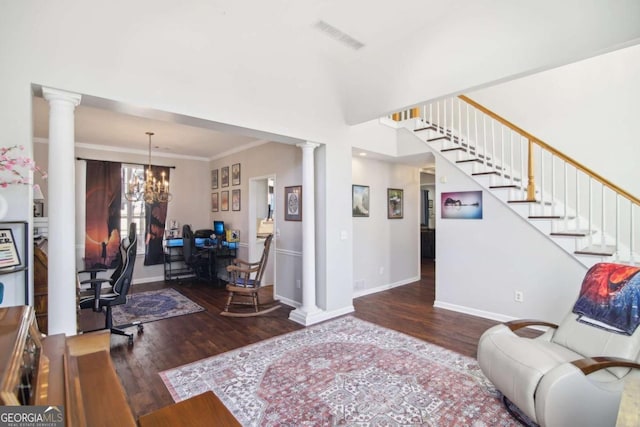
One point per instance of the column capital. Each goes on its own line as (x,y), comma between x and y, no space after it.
(51,94)
(308,145)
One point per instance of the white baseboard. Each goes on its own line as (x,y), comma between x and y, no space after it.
(363,292)
(289,302)
(319,316)
(473,311)
(147,280)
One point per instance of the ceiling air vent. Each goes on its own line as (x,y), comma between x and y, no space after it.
(338,35)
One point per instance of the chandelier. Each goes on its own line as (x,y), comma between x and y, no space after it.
(151,190)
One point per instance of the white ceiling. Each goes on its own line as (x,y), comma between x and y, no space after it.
(279,40)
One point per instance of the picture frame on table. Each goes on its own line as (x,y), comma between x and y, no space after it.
(214,179)
(224,202)
(224,176)
(235,174)
(9,256)
(293,203)
(215,199)
(395,203)
(360,200)
(235,200)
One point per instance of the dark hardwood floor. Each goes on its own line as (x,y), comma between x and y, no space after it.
(176,341)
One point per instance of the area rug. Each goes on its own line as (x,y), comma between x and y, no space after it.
(149,306)
(344,372)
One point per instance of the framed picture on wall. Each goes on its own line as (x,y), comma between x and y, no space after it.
(395,203)
(235,174)
(235,200)
(461,205)
(214,179)
(360,200)
(224,203)
(293,203)
(214,202)
(224,176)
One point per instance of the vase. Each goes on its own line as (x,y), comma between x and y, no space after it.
(4,207)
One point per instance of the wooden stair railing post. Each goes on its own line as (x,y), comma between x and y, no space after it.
(531,185)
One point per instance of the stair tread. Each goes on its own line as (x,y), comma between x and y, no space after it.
(425,128)
(538,202)
(469,161)
(438,138)
(600,250)
(545,217)
(444,150)
(572,233)
(485,173)
(492,187)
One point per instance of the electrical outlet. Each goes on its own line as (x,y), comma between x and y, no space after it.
(519,296)
(298,283)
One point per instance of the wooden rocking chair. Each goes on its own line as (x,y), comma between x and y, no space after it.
(244,285)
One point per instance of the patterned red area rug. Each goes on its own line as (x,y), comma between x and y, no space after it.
(344,372)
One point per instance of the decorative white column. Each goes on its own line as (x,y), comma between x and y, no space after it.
(309,313)
(62,238)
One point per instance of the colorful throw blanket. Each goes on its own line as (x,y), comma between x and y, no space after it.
(610,296)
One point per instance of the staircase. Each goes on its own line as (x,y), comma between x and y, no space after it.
(585,214)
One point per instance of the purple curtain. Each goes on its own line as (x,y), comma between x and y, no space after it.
(102,220)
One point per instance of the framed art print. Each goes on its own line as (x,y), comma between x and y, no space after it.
(224,203)
(395,203)
(214,202)
(235,200)
(214,179)
(235,174)
(360,200)
(224,176)
(293,203)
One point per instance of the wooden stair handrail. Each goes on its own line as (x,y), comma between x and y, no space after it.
(549,148)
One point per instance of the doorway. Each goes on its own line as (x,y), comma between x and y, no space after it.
(262,202)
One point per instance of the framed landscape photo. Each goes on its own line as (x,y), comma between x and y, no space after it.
(214,202)
(224,203)
(235,174)
(360,200)
(224,176)
(395,203)
(293,203)
(214,179)
(235,200)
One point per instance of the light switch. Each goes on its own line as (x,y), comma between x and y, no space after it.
(343,235)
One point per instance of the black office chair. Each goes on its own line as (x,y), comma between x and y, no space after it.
(104,299)
(93,272)
(197,260)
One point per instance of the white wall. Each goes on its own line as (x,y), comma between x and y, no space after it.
(589,110)
(477,44)
(284,162)
(481,263)
(386,252)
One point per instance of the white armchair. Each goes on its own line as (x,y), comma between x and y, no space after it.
(574,373)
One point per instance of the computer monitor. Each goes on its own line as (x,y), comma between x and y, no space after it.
(218,228)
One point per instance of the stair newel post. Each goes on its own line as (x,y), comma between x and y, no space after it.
(460,124)
(531,185)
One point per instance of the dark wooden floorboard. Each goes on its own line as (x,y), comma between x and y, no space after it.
(169,343)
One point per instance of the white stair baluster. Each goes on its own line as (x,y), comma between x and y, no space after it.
(590,204)
(602,219)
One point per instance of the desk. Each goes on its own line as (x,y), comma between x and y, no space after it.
(220,254)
